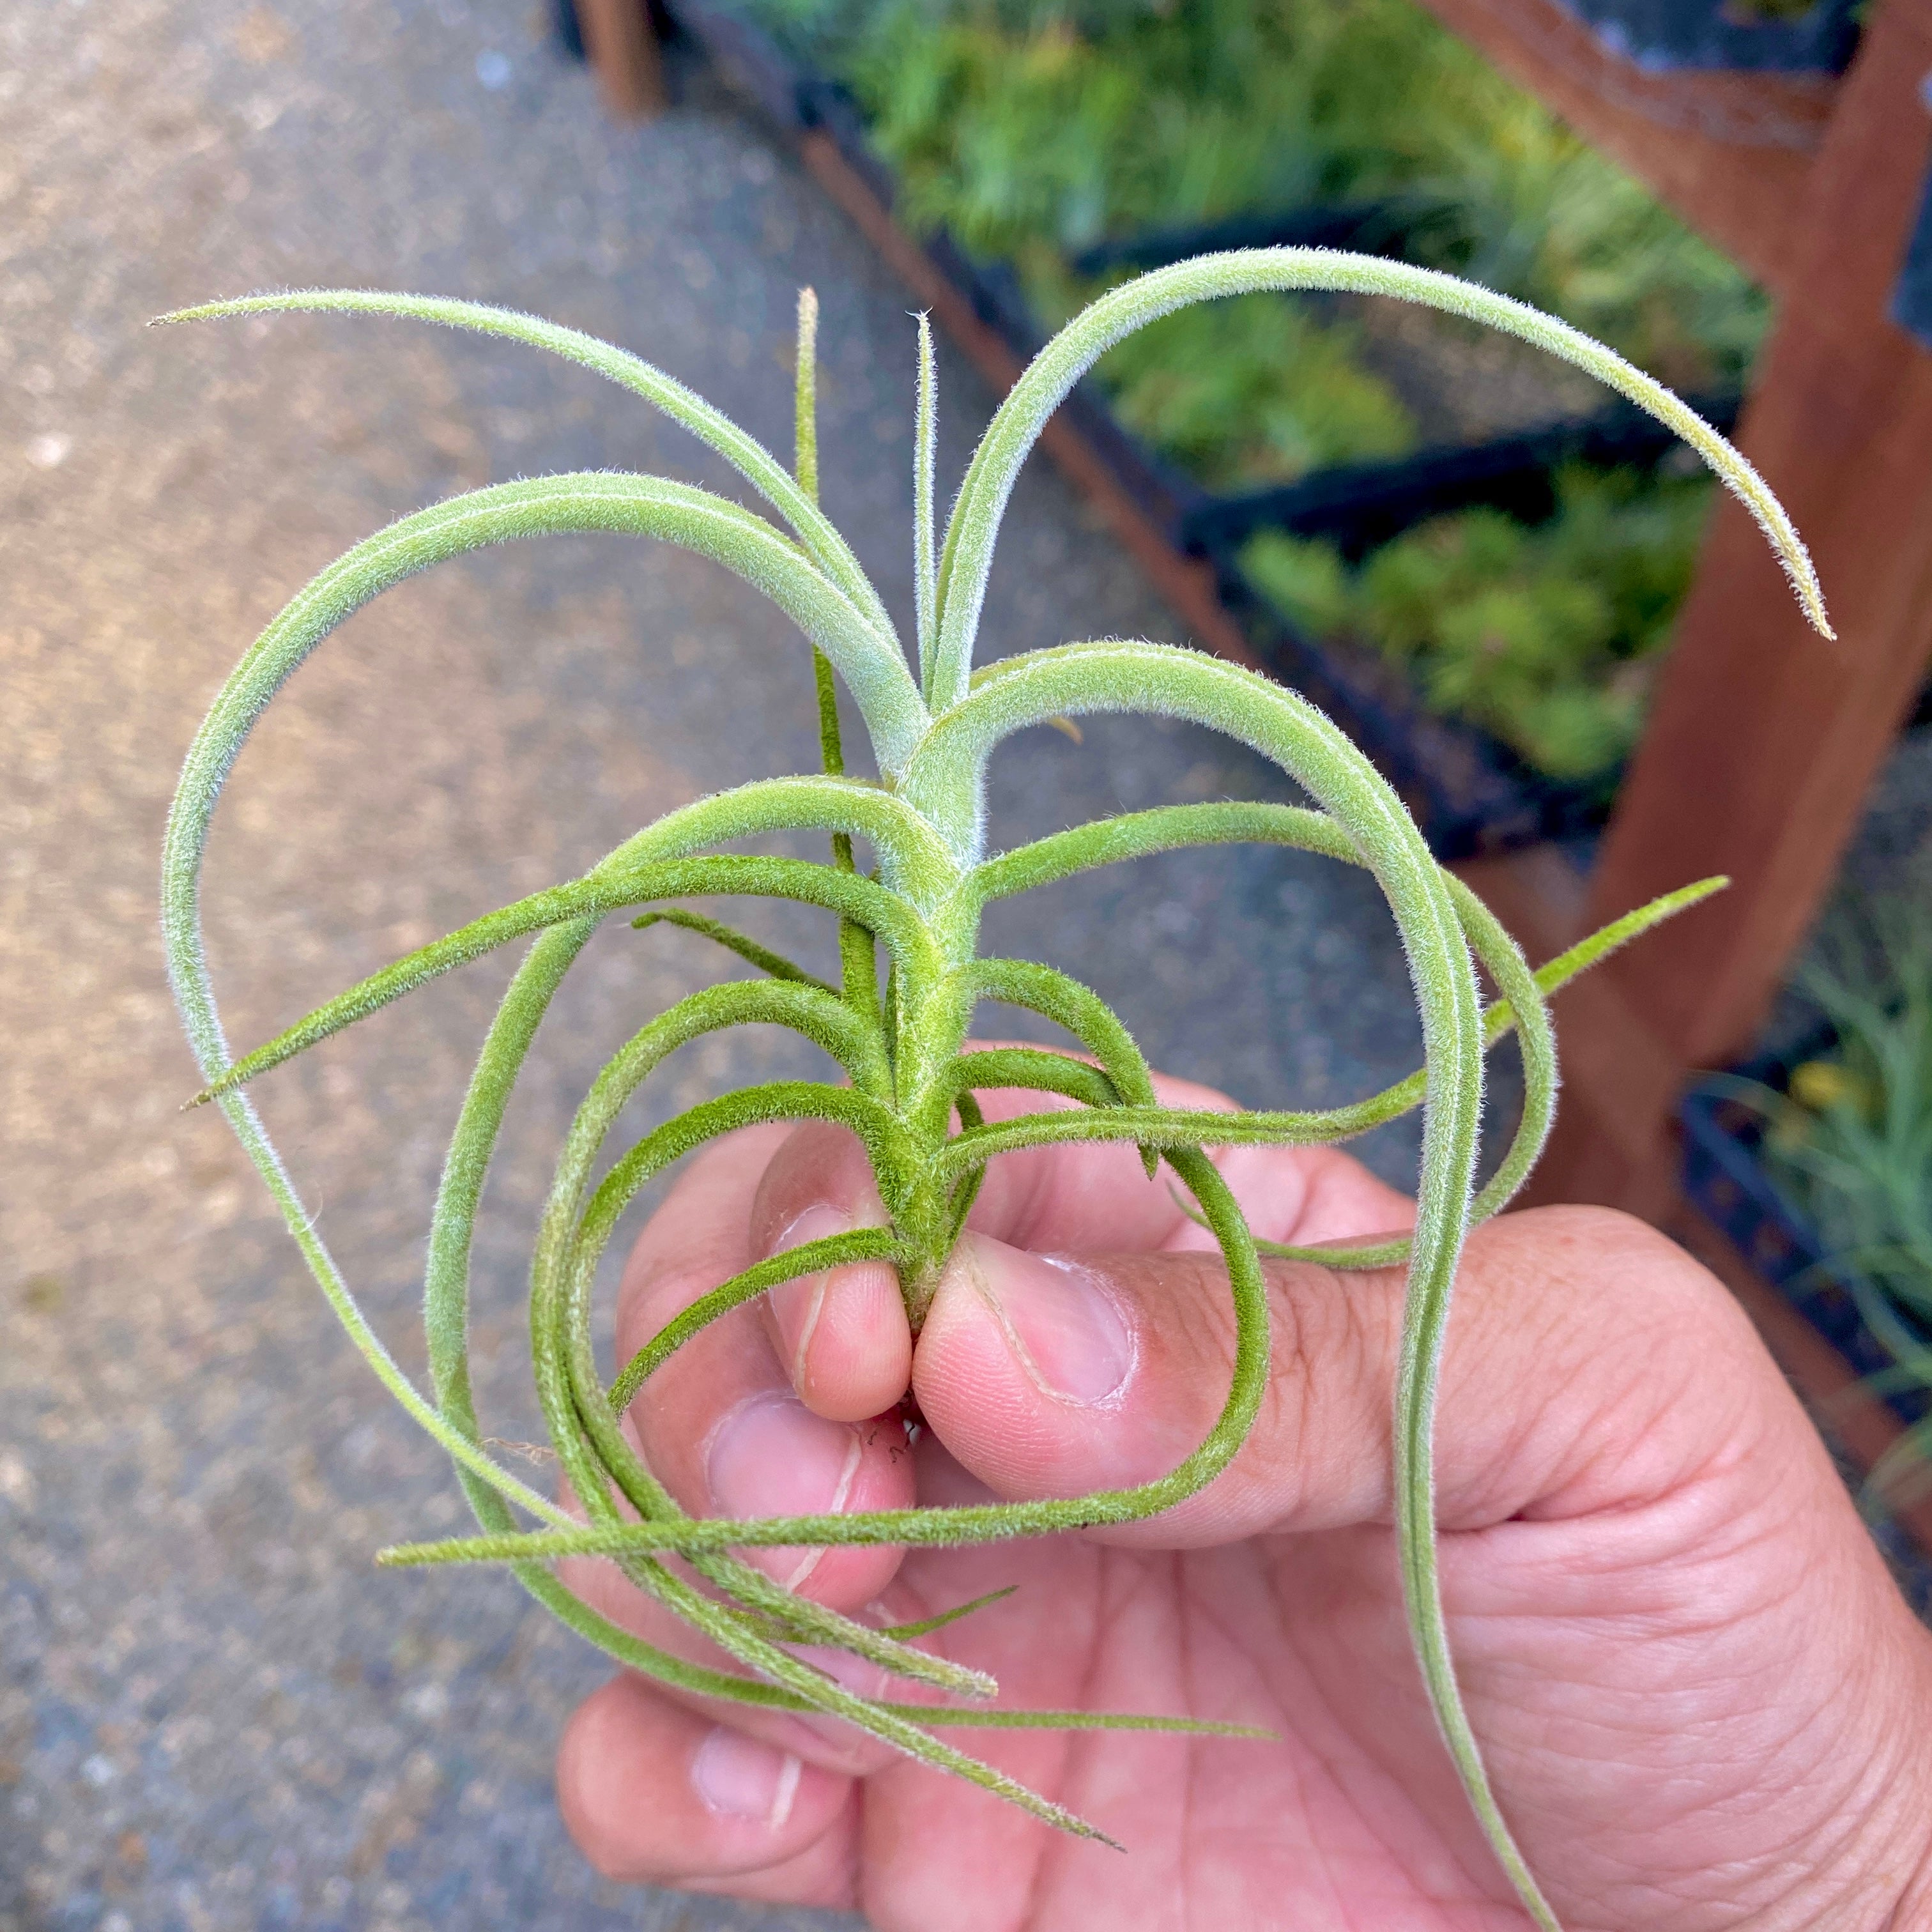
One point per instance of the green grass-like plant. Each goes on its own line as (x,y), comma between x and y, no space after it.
(1851,1145)
(910,1077)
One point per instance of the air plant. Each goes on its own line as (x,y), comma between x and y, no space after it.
(910,1076)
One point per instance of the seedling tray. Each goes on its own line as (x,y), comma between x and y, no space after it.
(1472,797)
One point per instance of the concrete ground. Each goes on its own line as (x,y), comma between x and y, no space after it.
(214,1714)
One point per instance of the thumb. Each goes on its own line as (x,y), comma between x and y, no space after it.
(1577,1341)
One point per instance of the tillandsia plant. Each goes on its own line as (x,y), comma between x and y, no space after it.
(900,1037)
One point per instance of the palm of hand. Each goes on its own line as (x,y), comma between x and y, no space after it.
(1648,1561)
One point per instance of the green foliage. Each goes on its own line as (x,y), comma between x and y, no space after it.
(909,1079)
(1253,392)
(1543,634)
(1013,126)
(1853,1144)
(1031,127)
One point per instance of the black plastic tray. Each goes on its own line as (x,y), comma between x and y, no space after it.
(1359,505)
(1718,36)
(1469,793)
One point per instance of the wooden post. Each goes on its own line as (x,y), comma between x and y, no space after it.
(1730,152)
(623,47)
(1764,738)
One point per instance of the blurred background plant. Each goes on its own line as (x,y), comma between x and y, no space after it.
(1850,1143)
(1032,130)
(1546,635)
(1023,125)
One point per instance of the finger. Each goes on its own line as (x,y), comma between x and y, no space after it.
(654,1792)
(1301,1195)
(718,1423)
(1084,1196)
(841,1333)
(1054,1376)
(699,1235)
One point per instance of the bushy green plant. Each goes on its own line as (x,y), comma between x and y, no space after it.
(910,1075)
(1018,125)
(1254,392)
(1542,634)
(1851,1144)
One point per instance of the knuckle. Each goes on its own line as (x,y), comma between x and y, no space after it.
(1595,1267)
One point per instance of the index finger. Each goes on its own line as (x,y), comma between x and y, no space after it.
(719,1423)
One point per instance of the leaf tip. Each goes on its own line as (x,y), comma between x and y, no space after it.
(196,312)
(1811,596)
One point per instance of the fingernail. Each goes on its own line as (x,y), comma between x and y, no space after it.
(862,1677)
(1060,1318)
(795,1303)
(740,1777)
(772,1457)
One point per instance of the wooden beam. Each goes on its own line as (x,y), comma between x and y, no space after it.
(623,47)
(1730,152)
(1764,738)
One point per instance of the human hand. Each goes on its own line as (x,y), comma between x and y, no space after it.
(1702,1701)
